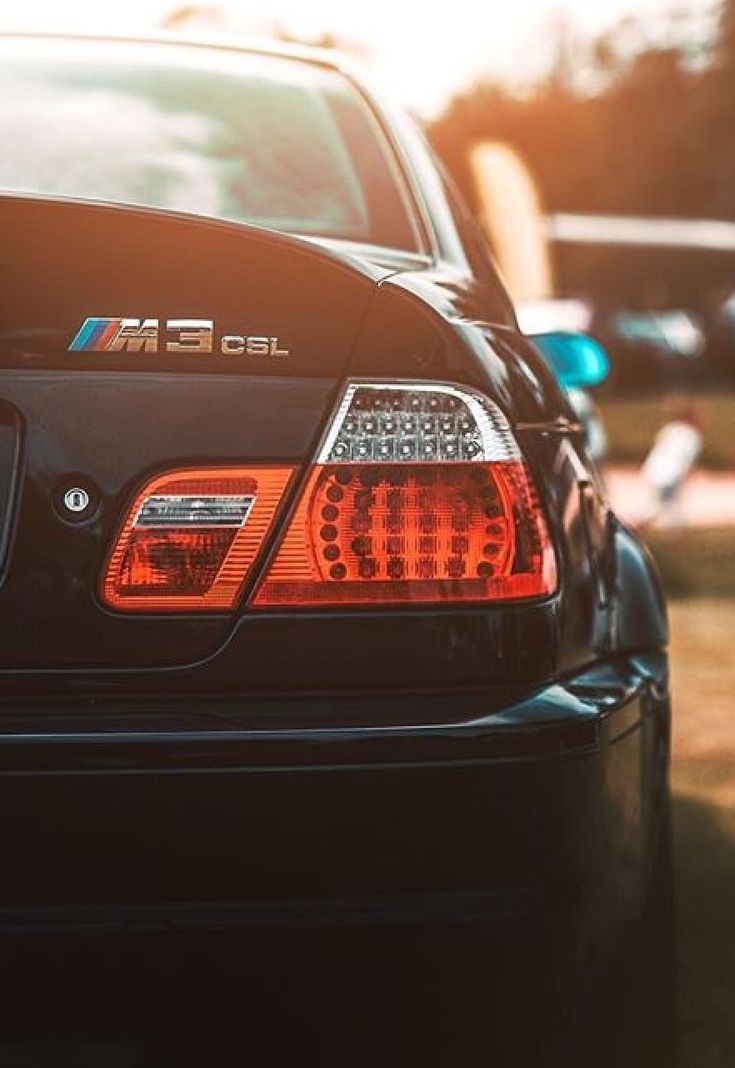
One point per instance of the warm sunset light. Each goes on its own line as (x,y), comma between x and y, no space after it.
(414,54)
(367,533)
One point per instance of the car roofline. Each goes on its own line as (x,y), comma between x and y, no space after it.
(319,57)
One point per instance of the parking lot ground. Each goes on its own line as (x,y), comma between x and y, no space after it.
(703,780)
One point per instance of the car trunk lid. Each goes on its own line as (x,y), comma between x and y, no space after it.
(134,342)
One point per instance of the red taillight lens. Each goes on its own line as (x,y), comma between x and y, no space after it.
(190,539)
(464,524)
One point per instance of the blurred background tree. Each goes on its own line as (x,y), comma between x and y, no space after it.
(638,123)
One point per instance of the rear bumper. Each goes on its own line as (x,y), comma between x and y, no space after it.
(546,808)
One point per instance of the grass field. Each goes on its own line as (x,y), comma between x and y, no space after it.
(703,778)
(696,561)
(698,572)
(632,424)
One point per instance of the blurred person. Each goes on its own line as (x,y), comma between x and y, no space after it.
(675,450)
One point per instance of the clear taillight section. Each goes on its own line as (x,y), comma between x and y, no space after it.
(418,422)
(420,494)
(190,538)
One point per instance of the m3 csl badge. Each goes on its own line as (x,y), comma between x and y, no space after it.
(191,337)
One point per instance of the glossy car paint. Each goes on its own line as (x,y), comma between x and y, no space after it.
(107,421)
(397,764)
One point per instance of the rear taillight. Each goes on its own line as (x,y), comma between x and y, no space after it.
(190,538)
(420,494)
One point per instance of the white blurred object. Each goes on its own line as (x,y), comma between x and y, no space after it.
(548,316)
(675,451)
(714,234)
(512,219)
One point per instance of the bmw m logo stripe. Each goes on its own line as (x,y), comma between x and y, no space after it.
(95,335)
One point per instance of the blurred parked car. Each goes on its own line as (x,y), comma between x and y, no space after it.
(540,317)
(653,349)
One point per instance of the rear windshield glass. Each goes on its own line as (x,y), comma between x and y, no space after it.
(275,142)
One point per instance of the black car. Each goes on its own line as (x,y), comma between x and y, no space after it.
(315,617)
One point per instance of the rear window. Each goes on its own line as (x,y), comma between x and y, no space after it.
(258,139)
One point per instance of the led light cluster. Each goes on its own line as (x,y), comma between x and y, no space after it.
(414,522)
(417,423)
(420,494)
